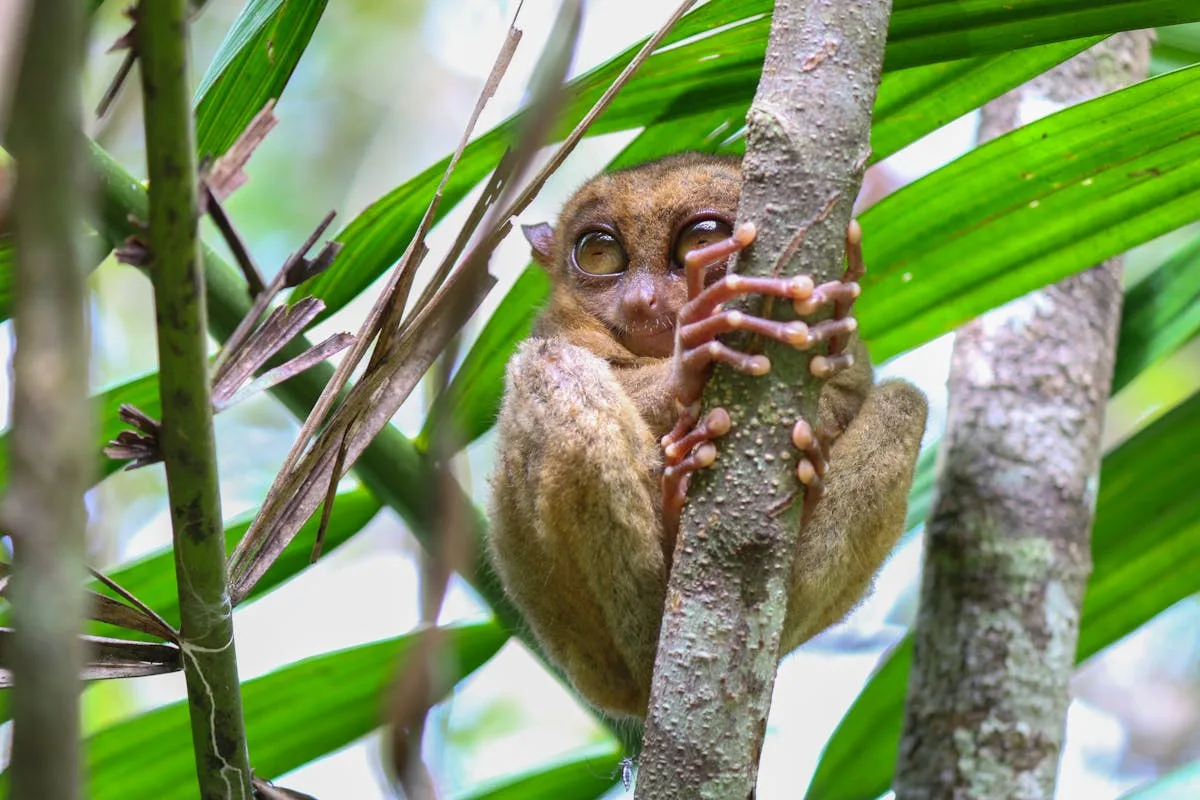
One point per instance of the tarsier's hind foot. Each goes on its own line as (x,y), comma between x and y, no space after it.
(860,515)
(686,451)
(810,469)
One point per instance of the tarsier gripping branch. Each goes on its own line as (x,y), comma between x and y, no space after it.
(600,425)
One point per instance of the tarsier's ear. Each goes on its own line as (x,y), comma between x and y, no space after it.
(541,239)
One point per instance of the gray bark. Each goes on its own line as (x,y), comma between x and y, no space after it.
(807,134)
(1008,542)
(52,456)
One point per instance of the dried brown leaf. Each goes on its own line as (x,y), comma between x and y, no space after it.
(280,327)
(228,172)
(369,406)
(103,608)
(262,301)
(314,355)
(305,268)
(140,449)
(305,478)
(388,308)
(106,658)
(134,251)
(167,632)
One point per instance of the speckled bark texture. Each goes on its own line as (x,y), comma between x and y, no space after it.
(807,144)
(1007,545)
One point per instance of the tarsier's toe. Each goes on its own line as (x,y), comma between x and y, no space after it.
(675,447)
(828,366)
(810,469)
(843,292)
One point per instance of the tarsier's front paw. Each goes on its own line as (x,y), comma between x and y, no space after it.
(688,447)
(842,293)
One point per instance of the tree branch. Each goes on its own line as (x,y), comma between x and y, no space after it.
(187,443)
(1008,543)
(52,419)
(807,134)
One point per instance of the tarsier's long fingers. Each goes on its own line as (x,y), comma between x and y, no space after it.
(692,372)
(698,260)
(699,347)
(828,366)
(855,270)
(841,294)
(798,334)
(810,469)
(796,289)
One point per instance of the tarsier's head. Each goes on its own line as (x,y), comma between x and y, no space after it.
(616,254)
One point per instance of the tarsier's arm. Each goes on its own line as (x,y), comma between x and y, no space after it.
(579,497)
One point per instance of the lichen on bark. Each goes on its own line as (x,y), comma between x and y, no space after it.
(1007,544)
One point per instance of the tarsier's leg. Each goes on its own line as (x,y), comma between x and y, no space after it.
(861,513)
(702,319)
(576,520)
(855,502)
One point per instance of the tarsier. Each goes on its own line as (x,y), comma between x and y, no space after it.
(599,428)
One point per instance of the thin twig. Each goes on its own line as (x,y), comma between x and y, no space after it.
(118,80)
(254,279)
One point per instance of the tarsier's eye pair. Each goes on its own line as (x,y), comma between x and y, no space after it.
(599,252)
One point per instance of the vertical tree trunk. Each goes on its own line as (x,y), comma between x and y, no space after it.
(52,457)
(1008,543)
(727,596)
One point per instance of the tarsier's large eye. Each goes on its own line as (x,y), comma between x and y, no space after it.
(599,253)
(698,234)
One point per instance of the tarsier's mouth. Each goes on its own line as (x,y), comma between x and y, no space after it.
(652,337)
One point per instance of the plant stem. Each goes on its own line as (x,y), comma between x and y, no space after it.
(718,651)
(188,446)
(52,419)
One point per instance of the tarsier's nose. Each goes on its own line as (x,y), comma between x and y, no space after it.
(640,300)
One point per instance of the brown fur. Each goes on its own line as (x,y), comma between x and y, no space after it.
(576,505)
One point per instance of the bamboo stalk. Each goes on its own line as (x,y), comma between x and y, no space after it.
(187,443)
